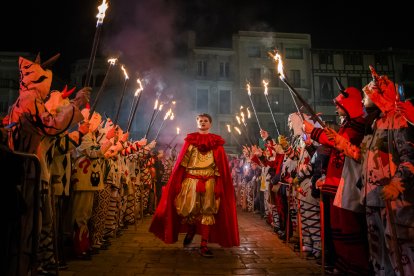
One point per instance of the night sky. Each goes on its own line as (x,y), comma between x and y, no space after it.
(150,30)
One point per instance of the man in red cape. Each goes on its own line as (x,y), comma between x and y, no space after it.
(196,202)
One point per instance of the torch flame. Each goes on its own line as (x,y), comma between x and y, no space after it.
(112,61)
(238,119)
(248,89)
(228,128)
(242,116)
(278,60)
(265,83)
(248,112)
(238,130)
(178,130)
(156,104)
(125,73)
(161,106)
(140,88)
(101,14)
(167,114)
(172,116)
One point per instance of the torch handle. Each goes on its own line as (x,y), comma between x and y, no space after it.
(98,95)
(305,104)
(120,101)
(93,55)
(135,107)
(271,112)
(150,123)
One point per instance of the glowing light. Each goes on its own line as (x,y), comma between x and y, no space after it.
(265,83)
(125,72)
(101,12)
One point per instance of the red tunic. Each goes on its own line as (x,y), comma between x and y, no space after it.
(166,223)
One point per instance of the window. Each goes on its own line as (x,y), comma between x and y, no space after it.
(295,78)
(294,53)
(326,88)
(224,69)
(325,58)
(202,68)
(224,101)
(355,82)
(352,59)
(255,77)
(253,51)
(202,100)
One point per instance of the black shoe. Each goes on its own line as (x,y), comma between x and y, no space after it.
(188,240)
(205,252)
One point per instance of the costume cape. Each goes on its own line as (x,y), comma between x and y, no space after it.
(167,224)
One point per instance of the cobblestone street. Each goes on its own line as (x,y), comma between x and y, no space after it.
(138,252)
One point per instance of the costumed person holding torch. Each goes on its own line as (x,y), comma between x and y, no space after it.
(199,196)
(386,154)
(346,226)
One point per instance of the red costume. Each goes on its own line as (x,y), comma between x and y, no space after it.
(167,224)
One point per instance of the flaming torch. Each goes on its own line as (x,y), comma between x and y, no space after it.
(152,118)
(265,83)
(112,62)
(235,139)
(101,15)
(134,107)
(251,102)
(278,60)
(167,114)
(122,95)
(242,122)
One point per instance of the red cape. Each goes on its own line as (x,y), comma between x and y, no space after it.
(166,223)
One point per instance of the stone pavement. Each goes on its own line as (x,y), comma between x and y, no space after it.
(138,252)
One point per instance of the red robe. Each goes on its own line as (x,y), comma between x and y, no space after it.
(166,223)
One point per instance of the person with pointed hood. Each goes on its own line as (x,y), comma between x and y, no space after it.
(199,196)
(33,129)
(349,251)
(387,156)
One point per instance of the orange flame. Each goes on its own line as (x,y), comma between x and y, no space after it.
(248,112)
(167,114)
(248,89)
(178,130)
(172,116)
(160,107)
(101,14)
(140,88)
(156,104)
(238,119)
(238,130)
(125,72)
(265,83)
(228,128)
(278,60)
(112,61)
